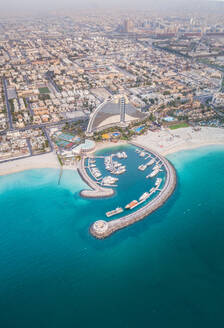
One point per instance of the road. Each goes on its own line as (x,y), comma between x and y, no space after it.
(7,103)
(43,125)
(29,107)
(29,146)
(48,138)
(51,81)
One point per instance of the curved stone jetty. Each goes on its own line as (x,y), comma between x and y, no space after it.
(96,191)
(102,229)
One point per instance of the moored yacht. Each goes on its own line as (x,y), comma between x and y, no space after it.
(143,197)
(118,210)
(131,204)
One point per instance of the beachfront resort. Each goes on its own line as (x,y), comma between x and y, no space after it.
(111,164)
(144,144)
(65,101)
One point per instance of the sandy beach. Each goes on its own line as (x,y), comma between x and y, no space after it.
(168,141)
(164,142)
(108,144)
(36,162)
(171,141)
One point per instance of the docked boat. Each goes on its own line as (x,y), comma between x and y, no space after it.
(96,173)
(156,167)
(143,197)
(117,164)
(118,210)
(142,167)
(142,154)
(109,180)
(119,170)
(158,182)
(154,173)
(134,205)
(151,162)
(131,204)
(121,155)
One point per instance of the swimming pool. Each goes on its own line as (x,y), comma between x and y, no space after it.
(139,128)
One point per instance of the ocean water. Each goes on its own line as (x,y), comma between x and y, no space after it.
(165,271)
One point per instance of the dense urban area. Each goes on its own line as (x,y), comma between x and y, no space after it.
(57,71)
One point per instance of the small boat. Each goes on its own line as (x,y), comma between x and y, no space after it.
(109,180)
(151,162)
(143,197)
(142,167)
(154,173)
(142,154)
(131,204)
(134,205)
(118,210)
(158,182)
(124,154)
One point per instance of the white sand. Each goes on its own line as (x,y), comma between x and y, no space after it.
(171,141)
(36,162)
(108,144)
(164,142)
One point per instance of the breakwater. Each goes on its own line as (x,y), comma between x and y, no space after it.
(102,229)
(96,191)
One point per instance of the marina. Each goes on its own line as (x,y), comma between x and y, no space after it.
(157,190)
(144,166)
(96,190)
(102,229)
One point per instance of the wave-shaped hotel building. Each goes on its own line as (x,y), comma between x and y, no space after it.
(117,111)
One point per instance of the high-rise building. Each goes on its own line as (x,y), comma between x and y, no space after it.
(128,26)
(122,110)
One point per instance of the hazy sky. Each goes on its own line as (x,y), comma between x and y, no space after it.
(43,5)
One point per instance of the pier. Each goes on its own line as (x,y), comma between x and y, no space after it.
(60,175)
(102,229)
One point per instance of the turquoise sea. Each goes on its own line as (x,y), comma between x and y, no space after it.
(165,271)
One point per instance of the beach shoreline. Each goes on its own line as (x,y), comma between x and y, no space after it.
(165,142)
(191,147)
(36,162)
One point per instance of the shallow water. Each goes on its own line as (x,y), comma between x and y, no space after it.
(166,270)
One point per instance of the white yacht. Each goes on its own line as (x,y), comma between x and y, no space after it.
(143,197)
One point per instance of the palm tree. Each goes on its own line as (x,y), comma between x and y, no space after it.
(78,158)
